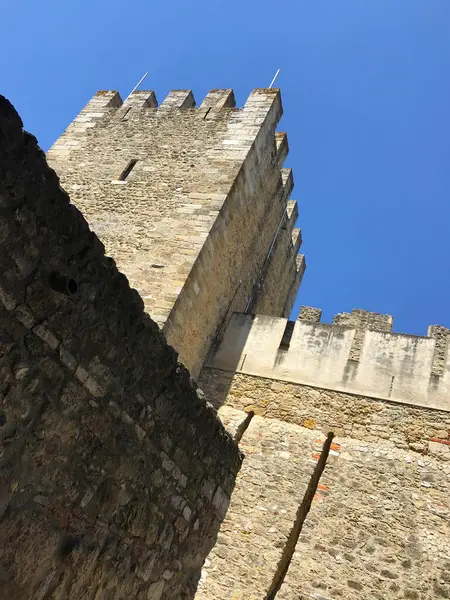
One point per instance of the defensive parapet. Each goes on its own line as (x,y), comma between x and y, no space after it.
(192,203)
(357,354)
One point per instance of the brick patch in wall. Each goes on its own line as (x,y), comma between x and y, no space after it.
(440,441)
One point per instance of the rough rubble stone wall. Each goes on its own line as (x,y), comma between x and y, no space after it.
(274,476)
(192,223)
(114,472)
(379,523)
(349,415)
(378,530)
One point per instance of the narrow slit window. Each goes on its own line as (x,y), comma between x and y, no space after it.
(127,169)
(286,339)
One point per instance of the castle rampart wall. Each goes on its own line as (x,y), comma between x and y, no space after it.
(357,354)
(191,222)
(379,521)
(114,472)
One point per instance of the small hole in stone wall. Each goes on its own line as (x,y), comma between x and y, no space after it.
(72,286)
(63,284)
(2,420)
(66,545)
(127,169)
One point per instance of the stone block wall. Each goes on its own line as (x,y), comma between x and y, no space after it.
(188,201)
(378,528)
(412,428)
(274,476)
(379,522)
(114,472)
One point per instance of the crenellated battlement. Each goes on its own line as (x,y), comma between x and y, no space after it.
(296,239)
(179,99)
(262,108)
(357,353)
(259,100)
(140,99)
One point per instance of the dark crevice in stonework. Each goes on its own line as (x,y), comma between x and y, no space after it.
(242,428)
(287,335)
(126,113)
(300,518)
(128,169)
(391,386)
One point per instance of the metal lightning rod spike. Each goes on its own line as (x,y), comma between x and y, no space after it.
(273,80)
(137,85)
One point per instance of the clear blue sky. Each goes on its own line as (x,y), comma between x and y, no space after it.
(366,93)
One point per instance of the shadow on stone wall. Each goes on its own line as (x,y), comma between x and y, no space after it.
(216,383)
(114,472)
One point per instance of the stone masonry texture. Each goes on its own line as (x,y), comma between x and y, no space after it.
(361,320)
(114,472)
(309,313)
(117,479)
(200,224)
(379,523)
(349,415)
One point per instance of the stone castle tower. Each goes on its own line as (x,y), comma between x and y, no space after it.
(192,203)
(119,480)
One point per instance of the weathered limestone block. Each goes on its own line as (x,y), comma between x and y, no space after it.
(442,336)
(362,320)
